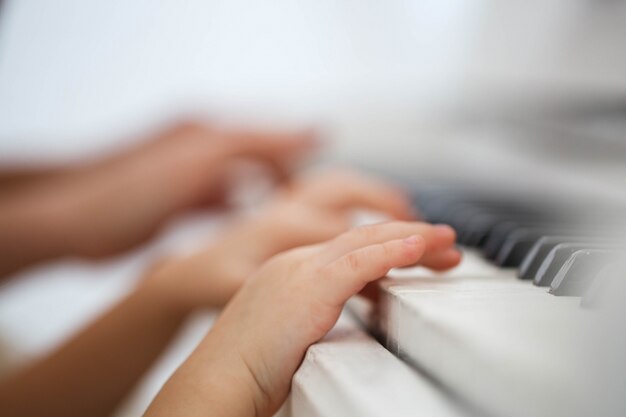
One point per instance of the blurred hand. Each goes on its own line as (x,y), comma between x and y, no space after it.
(106,207)
(310,210)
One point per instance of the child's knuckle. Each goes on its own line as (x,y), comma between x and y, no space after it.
(353,262)
(387,252)
(366,232)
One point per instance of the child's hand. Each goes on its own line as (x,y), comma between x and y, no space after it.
(342,189)
(311,211)
(244,366)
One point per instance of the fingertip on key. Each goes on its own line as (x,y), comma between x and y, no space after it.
(444,231)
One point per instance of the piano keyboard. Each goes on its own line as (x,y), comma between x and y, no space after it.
(349,374)
(515,330)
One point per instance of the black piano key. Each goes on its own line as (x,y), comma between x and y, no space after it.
(479,226)
(514,250)
(477,229)
(540,250)
(458,216)
(497,236)
(577,273)
(517,245)
(502,231)
(538,253)
(437,210)
(553,262)
(607,288)
(558,256)
(471,217)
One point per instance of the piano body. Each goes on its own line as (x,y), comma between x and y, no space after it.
(532,175)
(531,323)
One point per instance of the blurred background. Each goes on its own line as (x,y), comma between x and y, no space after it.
(513,96)
(380,78)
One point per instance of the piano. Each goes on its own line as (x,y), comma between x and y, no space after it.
(530,323)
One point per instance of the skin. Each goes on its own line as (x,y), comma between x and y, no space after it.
(91,374)
(308,211)
(106,207)
(244,365)
(102,363)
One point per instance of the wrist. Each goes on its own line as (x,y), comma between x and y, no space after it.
(212,381)
(228,362)
(161,285)
(162,300)
(32,231)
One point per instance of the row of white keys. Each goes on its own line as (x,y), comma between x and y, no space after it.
(349,373)
(502,345)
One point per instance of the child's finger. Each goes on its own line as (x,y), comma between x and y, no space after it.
(306,228)
(437,237)
(442,259)
(353,191)
(351,272)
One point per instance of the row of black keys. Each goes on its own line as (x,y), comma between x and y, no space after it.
(554,249)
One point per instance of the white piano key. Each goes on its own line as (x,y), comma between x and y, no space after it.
(503,345)
(349,373)
(472,265)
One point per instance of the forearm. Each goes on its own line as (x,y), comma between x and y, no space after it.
(94,213)
(13,179)
(215,380)
(32,230)
(94,371)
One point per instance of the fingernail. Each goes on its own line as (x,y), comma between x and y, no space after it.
(412,240)
(444,230)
